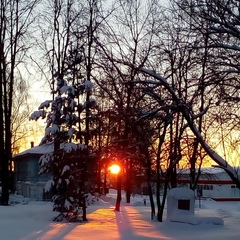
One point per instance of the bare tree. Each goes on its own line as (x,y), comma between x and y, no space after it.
(190,118)
(20,115)
(15,19)
(218,22)
(128,36)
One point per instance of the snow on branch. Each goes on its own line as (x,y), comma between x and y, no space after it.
(225,46)
(67,204)
(37,114)
(71,132)
(64,90)
(81,146)
(45,159)
(65,169)
(69,147)
(88,85)
(45,104)
(48,185)
(54,129)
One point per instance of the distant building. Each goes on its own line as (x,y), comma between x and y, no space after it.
(213,183)
(28,182)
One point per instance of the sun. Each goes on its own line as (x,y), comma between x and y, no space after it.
(115,169)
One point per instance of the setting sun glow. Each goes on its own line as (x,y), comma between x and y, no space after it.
(115,169)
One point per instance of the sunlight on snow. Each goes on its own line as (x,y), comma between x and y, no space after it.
(56,229)
(102,220)
(144,228)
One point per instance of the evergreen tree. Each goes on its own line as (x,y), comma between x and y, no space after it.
(69,162)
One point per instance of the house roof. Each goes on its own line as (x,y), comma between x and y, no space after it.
(204,170)
(38,150)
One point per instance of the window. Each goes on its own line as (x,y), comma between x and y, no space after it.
(235,192)
(204,187)
(184,204)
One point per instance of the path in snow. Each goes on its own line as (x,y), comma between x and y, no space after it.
(105,224)
(34,221)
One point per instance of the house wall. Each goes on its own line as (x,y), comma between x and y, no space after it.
(219,191)
(28,182)
(221,187)
(26,170)
(33,191)
(217,186)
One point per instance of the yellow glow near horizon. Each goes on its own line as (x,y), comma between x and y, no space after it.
(115,169)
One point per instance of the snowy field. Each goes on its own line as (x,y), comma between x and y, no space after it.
(31,220)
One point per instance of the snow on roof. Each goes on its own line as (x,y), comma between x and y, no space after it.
(204,170)
(49,147)
(181,193)
(45,148)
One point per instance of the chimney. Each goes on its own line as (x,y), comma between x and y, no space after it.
(32,144)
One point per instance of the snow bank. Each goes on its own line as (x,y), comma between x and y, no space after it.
(195,220)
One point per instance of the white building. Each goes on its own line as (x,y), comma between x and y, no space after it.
(214,183)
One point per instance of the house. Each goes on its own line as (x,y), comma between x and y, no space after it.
(28,182)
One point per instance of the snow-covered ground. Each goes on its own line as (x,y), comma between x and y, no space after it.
(31,220)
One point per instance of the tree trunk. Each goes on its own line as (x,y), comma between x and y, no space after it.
(128,181)
(158,191)
(150,187)
(151,200)
(105,180)
(5,180)
(119,194)
(161,209)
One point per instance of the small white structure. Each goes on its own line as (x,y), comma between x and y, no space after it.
(180,201)
(180,208)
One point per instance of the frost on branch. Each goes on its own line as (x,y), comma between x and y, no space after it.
(92,103)
(55,128)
